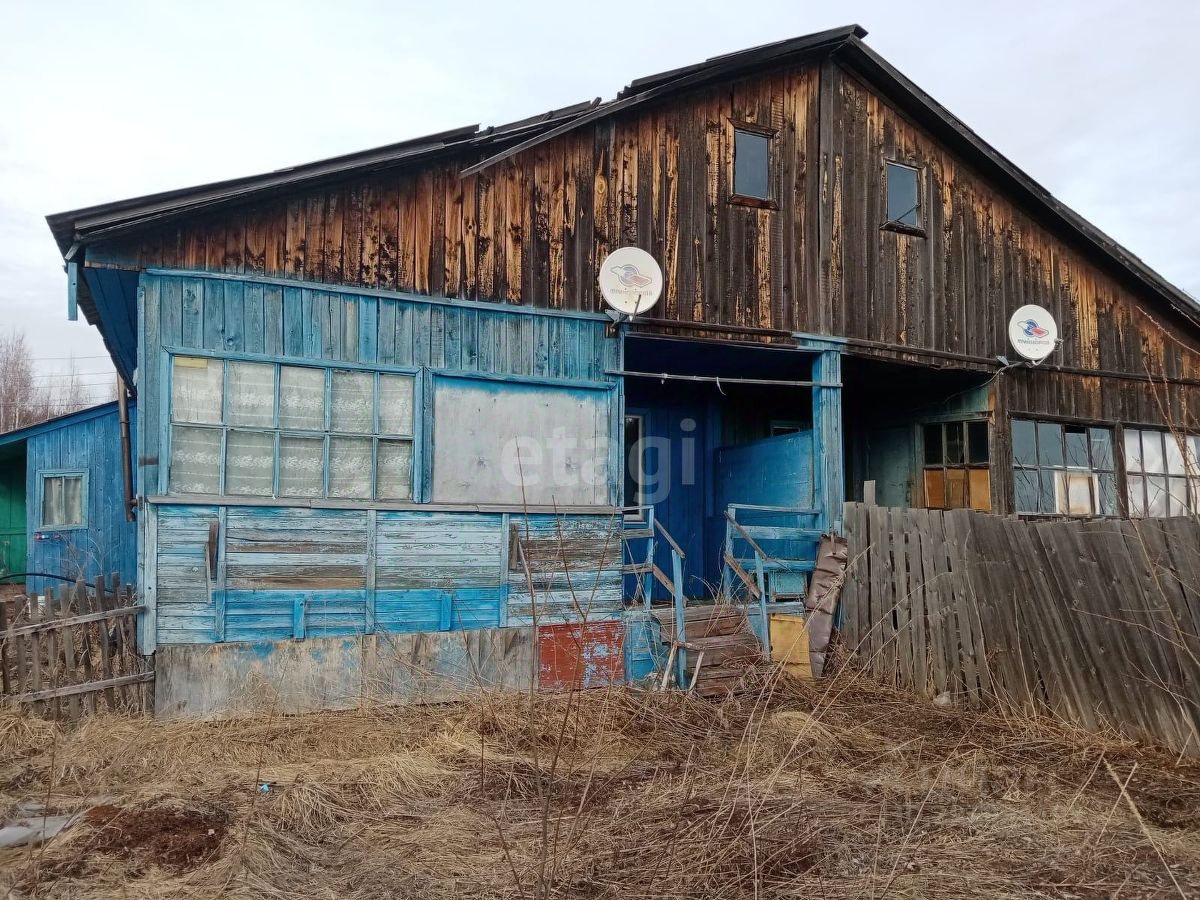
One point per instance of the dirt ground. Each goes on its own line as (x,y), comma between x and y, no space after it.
(838,790)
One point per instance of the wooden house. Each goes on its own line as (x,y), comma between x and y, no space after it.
(63,512)
(385,420)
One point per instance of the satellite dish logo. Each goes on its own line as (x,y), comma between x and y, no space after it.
(630,276)
(1033,329)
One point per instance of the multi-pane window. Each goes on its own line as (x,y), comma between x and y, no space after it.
(751,165)
(273,430)
(956,472)
(903,195)
(63,500)
(1161,473)
(1063,469)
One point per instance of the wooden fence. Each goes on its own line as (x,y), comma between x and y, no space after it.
(1093,621)
(74,652)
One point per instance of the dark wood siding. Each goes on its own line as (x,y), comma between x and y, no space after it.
(533,228)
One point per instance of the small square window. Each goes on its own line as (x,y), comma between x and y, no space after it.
(64,500)
(751,165)
(903,200)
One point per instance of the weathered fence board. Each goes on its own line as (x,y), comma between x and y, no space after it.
(1096,622)
(74,652)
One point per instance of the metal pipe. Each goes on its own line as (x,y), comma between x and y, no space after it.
(717,380)
(126,447)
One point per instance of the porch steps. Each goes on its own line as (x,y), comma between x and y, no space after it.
(719,639)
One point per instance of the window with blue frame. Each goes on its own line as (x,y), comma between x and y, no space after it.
(261,429)
(62,499)
(1065,470)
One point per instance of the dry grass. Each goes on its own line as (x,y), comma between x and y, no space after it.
(842,789)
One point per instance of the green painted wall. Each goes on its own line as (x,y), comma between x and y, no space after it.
(12,515)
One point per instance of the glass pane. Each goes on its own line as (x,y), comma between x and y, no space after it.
(633,459)
(1177,488)
(301,466)
(935,489)
(395,404)
(1137,493)
(394,471)
(954,444)
(350,468)
(1024,443)
(302,398)
(902,194)
(1077,448)
(1108,494)
(1174,454)
(1153,459)
(196,389)
(195,460)
(1102,456)
(1156,495)
(1075,494)
(249,462)
(977,442)
(353,402)
(1050,450)
(1048,492)
(1025,488)
(751,155)
(956,488)
(980,488)
(72,500)
(1193,457)
(52,501)
(251,394)
(933,445)
(1133,450)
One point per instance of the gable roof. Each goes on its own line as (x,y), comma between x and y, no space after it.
(79,227)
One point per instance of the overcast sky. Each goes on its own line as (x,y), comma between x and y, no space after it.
(101,101)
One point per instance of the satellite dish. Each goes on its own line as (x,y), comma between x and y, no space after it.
(1033,332)
(630,280)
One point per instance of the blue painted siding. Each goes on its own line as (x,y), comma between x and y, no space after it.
(108,543)
(294,571)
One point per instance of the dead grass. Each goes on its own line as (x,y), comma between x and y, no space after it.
(842,789)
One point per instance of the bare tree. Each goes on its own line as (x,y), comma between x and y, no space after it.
(28,396)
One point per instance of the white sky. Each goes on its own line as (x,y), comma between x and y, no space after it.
(102,101)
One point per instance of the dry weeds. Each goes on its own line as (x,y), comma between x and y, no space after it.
(841,789)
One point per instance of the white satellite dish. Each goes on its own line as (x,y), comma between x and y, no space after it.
(630,280)
(1033,332)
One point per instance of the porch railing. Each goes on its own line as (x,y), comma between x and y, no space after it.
(640,524)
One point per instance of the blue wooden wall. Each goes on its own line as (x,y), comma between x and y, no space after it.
(109,542)
(286,571)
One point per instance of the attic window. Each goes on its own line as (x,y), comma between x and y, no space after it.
(903,197)
(751,165)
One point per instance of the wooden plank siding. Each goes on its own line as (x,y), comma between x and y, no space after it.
(532,229)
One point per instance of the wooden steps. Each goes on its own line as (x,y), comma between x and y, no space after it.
(719,636)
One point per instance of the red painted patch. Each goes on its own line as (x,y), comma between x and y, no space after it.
(580,655)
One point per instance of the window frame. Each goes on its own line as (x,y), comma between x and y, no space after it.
(1114,471)
(1190,476)
(42,475)
(771,201)
(415,438)
(890,224)
(964,422)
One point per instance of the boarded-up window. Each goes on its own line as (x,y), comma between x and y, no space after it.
(956,460)
(506,443)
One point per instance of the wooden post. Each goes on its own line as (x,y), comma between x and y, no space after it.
(103,605)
